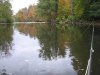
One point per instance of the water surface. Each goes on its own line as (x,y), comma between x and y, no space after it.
(42,49)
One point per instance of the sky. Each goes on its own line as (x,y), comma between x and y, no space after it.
(18,4)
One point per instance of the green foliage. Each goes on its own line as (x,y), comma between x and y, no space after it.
(6,32)
(71,17)
(47,9)
(64,9)
(5,11)
(67,9)
(79,8)
(60,10)
(94,10)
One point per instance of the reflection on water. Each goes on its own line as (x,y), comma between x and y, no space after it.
(3,72)
(5,40)
(53,41)
(41,49)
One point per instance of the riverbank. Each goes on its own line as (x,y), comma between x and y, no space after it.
(84,23)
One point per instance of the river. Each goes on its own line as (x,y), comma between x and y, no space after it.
(43,49)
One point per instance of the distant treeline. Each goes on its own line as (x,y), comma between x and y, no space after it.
(60,10)
(27,14)
(5,11)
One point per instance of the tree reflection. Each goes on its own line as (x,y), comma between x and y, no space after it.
(96,54)
(6,32)
(55,40)
(80,49)
(30,29)
(3,72)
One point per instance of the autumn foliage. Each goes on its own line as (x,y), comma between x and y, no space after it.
(59,10)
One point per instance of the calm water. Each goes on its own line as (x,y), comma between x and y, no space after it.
(40,49)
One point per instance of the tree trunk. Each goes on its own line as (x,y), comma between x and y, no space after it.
(56,9)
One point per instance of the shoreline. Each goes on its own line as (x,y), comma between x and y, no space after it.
(84,23)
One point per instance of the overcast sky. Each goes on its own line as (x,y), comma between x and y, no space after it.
(18,4)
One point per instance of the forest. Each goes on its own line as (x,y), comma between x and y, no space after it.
(5,11)
(52,11)
(60,10)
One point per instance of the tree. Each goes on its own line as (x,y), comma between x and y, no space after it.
(5,11)
(64,9)
(32,12)
(27,14)
(22,15)
(48,9)
(79,8)
(94,10)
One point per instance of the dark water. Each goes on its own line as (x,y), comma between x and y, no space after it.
(40,49)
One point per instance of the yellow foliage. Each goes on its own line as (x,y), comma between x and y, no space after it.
(64,8)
